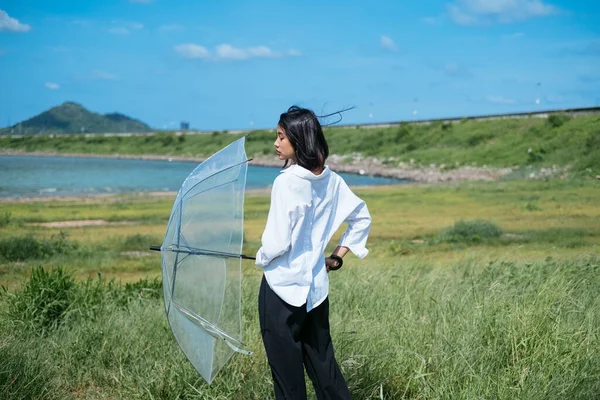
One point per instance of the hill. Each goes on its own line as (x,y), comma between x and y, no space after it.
(71,117)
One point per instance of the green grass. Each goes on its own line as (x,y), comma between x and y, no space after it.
(510,314)
(21,248)
(497,330)
(558,140)
(471,232)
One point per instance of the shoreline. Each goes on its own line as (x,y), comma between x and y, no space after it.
(358,165)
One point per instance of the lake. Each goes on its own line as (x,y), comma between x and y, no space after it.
(28,176)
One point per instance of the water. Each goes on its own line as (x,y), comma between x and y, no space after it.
(26,176)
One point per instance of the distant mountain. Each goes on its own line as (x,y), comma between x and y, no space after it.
(71,117)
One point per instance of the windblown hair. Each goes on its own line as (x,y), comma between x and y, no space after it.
(304,131)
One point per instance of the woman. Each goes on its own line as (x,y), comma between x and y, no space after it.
(308,204)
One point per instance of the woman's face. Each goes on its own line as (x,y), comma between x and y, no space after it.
(284,148)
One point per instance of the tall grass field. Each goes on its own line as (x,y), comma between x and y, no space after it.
(470,291)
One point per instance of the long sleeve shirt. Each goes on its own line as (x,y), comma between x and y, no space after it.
(306,210)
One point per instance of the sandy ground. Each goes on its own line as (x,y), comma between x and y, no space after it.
(405,171)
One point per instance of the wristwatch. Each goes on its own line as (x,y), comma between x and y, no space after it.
(339,261)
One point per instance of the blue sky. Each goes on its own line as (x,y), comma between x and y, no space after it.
(239,64)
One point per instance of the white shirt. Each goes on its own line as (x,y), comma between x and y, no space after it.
(306,210)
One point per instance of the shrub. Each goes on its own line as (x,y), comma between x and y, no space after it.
(28,247)
(592,143)
(143,288)
(411,147)
(44,301)
(536,154)
(167,139)
(138,242)
(401,133)
(558,119)
(476,139)
(475,231)
(52,298)
(5,219)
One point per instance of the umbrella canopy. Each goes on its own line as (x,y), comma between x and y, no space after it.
(201,261)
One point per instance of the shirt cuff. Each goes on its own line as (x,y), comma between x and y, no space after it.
(261,260)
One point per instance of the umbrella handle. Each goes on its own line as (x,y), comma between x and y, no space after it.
(242,256)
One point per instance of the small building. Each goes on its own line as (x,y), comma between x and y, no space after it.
(185,125)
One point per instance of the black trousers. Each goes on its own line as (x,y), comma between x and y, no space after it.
(295,339)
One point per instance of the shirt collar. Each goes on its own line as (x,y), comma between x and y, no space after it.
(306,174)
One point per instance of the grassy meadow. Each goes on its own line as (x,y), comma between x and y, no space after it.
(470,291)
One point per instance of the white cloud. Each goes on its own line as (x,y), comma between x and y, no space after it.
(476,12)
(388,43)
(103,75)
(499,100)
(191,50)
(2,52)
(52,85)
(459,17)
(228,52)
(10,24)
(125,27)
(430,20)
(119,31)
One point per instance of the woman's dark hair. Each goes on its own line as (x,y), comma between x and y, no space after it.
(303,130)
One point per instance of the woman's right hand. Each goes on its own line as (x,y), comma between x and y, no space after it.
(331,264)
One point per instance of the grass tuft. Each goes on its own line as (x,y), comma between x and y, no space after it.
(5,219)
(475,231)
(556,120)
(44,302)
(137,242)
(52,298)
(27,247)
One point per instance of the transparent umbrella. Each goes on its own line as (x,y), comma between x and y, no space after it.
(201,261)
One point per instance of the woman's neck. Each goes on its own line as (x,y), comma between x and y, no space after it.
(318,170)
